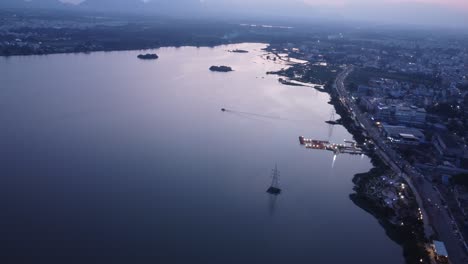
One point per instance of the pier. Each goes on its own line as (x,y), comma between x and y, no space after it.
(349,147)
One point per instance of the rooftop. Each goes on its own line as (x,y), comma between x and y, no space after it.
(403,131)
(440,248)
(448,140)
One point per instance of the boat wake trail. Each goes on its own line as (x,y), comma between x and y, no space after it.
(258,115)
(258,119)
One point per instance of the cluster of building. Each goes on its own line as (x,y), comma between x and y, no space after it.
(444,56)
(416,94)
(412,83)
(403,119)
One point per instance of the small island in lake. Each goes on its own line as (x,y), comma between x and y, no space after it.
(221,68)
(148,56)
(239,51)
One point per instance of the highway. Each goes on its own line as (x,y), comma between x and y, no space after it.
(435,216)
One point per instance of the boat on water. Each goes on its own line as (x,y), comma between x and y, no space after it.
(274,187)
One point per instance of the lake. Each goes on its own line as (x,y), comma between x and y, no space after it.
(110,159)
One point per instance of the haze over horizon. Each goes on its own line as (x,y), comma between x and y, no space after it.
(453,13)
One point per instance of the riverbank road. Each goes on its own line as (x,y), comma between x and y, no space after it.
(443,222)
(435,216)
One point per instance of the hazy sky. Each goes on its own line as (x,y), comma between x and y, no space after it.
(342,3)
(428,12)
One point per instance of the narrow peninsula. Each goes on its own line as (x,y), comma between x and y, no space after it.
(239,51)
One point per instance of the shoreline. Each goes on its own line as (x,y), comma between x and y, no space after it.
(410,237)
(142,49)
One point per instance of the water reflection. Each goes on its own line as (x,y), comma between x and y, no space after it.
(334,160)
(156,160)
(272,203)
(330,131)
(243,116)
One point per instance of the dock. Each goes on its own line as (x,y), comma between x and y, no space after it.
(349,147)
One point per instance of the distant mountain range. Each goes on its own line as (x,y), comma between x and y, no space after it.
(108,5)
(181,8)
(416,12)
(32,3)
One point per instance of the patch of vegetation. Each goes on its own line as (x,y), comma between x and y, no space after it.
(364,75)
(310,73)
(410,235)
(444,109)
(463,87)
(460,179)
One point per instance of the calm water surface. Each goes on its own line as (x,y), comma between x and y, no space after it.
(109,159)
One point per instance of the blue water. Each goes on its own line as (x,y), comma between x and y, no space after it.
(109,159)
